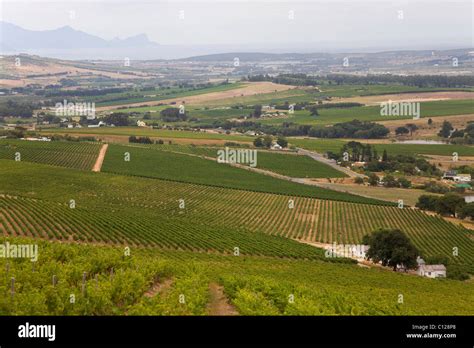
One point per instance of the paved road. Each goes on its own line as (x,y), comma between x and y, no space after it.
(332,163)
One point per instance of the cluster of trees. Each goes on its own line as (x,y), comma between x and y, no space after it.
(457,136)
(450,204)
(435,187)
(446,129)
(117,119)
(140,140)
(352,129)
(267,141)
(355,151)
(173,115)
(388,181)
(391,181)
(296,106)
(17,109)
(408,128)
(405,164)
(18,132)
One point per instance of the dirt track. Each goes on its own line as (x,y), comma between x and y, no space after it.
(100,158)
(219,305)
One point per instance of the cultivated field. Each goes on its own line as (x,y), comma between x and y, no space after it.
(409,97)
(289,164)
(172,215)
(373,113)
(205,97)
(183,168)
(65,154)
(335,145)
(152,282)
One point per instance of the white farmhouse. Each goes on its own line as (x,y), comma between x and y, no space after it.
(432,271)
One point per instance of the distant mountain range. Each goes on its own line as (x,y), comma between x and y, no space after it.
(16,38)
(69,43)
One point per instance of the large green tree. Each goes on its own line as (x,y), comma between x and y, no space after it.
(449,204)
(391,247)
(446,129)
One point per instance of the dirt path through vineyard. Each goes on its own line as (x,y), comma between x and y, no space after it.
(100,158)
(219,304)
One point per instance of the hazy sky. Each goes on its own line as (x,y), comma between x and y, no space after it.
(377,23)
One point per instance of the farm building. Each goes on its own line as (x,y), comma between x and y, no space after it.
(432,271)
(454,176)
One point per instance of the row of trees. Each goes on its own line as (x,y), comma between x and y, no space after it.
(352,129)
(408,128)
(173,115)
(17,109)
(451,204)
(442,81)
(388,181)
